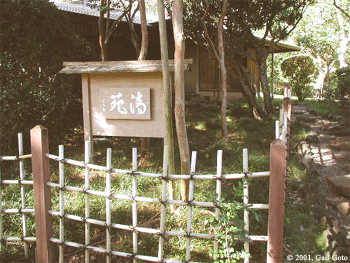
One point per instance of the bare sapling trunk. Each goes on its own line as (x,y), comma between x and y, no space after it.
(105,27)
(101,38)
(143,54)
(219,54)
(180,94)
(167,94)
(223,71)
(144,31)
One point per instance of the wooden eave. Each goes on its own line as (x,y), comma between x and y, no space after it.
(117,66)
(283,48)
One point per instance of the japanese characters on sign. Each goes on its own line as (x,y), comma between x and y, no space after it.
(125,103)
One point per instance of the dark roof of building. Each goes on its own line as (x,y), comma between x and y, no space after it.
(281,47)
(90,9)
(93,10)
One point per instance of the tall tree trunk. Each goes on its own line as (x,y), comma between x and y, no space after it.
(144,31)
(265,88)
(105,28)
(223,71)
(219,54)
(249,90)
(142,53)
(167,94)
(101,29)
(180,94)
(260,62)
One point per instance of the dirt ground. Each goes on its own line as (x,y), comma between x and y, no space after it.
(326,152)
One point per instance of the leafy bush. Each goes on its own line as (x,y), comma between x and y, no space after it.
(35,39)
(229,228)
(343,83)
(300,71)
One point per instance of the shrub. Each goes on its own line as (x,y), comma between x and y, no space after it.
(35,39)
(300,71)
(343,83)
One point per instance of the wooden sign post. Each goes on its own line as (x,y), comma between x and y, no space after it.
(122,98)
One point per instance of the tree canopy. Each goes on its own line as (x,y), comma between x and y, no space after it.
(35,39)
(248,24)
(300,71)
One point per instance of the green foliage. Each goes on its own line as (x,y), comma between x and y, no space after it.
(245,23)
(229,228)
(35,39)
(323,37)
(300,71)
(343,82)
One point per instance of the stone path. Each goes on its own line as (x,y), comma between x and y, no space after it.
(326,152)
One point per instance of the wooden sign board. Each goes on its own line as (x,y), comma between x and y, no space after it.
(124,104)
(122,98)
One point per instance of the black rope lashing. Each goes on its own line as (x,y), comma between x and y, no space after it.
(246,175)
(133,229)
(109,253)
(133,173)
(85,247)
(165,178)
(110,196)
(163,202)
(217,205)
(163,235)
(190,203)
(83,219)
(132,255)
(108,226)
(85,190)
(188,234)
(62,243)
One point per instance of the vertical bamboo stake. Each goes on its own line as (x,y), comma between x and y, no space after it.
(87,198)
(61,193)
(1,214)
(284,129)
(163,208)
(134,203)
(246,200)
(42,194)
(276,203)
(87,110)
(23,194)
(287,106)
(218,190)
(277,130)
(190,212)
(108,205)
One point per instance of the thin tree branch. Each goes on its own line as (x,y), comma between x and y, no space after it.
(116,22)
(340,9)
(206,33)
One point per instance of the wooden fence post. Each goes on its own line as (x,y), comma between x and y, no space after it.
(42,194)
(278,165)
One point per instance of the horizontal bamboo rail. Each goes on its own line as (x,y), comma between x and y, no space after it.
(43,212)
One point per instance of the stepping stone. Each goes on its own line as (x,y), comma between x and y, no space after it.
(342,204)
(340,184)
